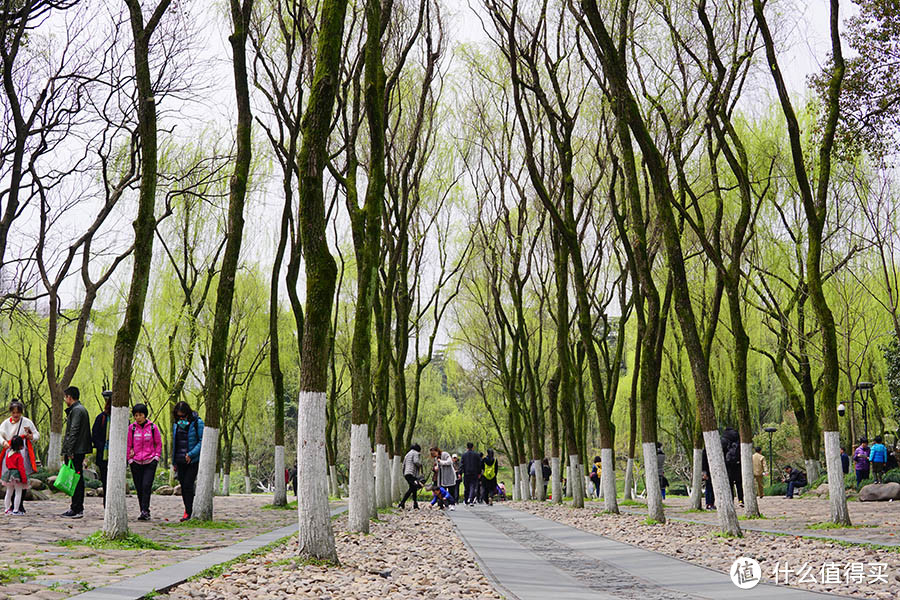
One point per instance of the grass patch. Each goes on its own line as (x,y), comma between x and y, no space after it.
(631,503)
(750,517)
(846,544)
(99,541)
(649,521)
(724,535)
(195,524)
(833,525)
(17,575)
(692,511)
(288,506)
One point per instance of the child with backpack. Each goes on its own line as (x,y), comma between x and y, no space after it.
(143,452)
(14,478)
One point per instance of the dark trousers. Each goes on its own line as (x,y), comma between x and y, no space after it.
(878,471)
(143,476)
(790,489)
(861,475)
(187,478)
(412,491)
(489,488)
(102,466)
(734,480)
(471,483)
(77,505)
(454,491)
(710,493)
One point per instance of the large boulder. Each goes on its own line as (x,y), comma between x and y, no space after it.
(879,492)
(165,490)
(177,490)
(90,475)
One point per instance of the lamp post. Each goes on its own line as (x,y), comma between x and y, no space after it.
(863,402)
(770,431)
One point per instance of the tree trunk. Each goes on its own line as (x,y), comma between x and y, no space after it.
(696,501)
(628,492)
(280,486)
(115,523)
(577,481)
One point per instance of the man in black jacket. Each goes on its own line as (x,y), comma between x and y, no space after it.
(76,444)
(471,467)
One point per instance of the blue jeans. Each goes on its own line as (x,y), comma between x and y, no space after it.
(790,489)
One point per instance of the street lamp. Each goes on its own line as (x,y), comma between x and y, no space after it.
(863,403)
(770,431)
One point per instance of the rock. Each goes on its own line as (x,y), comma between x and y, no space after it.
(50,480)
(177,490)
(91,493)
(822,490)
(90,475)
(879,492)
(34,494)
(36,484)
(165,490)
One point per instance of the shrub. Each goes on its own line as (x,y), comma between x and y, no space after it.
(778,489)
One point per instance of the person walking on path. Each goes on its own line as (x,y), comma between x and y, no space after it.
(731,447)
(14,477)
(845,461)
(471,465)
(596,471)
(187,435)
(660,469)
(878,458)
(457,466)
(76,445)
(489,468)
(412,464)
(760,469)
(447,476)
(861,461)
(18,425)
(546,472)
(100,441)
(143,451)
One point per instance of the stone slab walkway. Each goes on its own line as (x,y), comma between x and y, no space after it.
(531,558)
(167,577)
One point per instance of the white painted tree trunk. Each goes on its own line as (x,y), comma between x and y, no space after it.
(813,468)
(382,477)
(556,480)
(359,509)
(525,479)
(569,480)
(748,482)
(837,494)
(655,508)
(397,479)
(608,480)
(226,484)
(316,538)
(248,489)
(332,475)
(628,492)
(516,488)
(206,475)
(539,481)
(728,520)
(373,507)
(697,479)
(53,453)
(577,482)
(280,497)
(115,516)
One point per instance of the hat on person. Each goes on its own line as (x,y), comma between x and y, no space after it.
(455,456)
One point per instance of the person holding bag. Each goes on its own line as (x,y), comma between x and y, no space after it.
(143,451)
(76,444)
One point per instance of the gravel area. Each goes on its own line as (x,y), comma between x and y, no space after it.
(408,554)
(812,564)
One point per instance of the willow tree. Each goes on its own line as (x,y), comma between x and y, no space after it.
(815,205)
(613,62)
(115,523)
(316,537)
(215,382)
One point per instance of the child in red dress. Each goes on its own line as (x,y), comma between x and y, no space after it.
(14,478)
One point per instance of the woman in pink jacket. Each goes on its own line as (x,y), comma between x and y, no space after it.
(144,450)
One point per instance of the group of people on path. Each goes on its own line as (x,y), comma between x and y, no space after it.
(143,452)
(476,472)
(872,461)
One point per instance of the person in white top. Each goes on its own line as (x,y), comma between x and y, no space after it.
(17,424)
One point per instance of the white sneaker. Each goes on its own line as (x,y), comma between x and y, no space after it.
(452,507)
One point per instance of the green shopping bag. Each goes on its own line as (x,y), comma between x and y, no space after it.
(67,479)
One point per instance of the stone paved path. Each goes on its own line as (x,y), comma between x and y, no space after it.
(42,569)
(531,558)
(874,522)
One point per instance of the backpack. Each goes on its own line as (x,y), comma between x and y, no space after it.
(734,453)
(490,471)
(801,480)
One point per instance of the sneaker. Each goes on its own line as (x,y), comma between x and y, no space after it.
(452,507)
(185,517)
(144,517)
(71,514)
(8,511)
(18,513)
